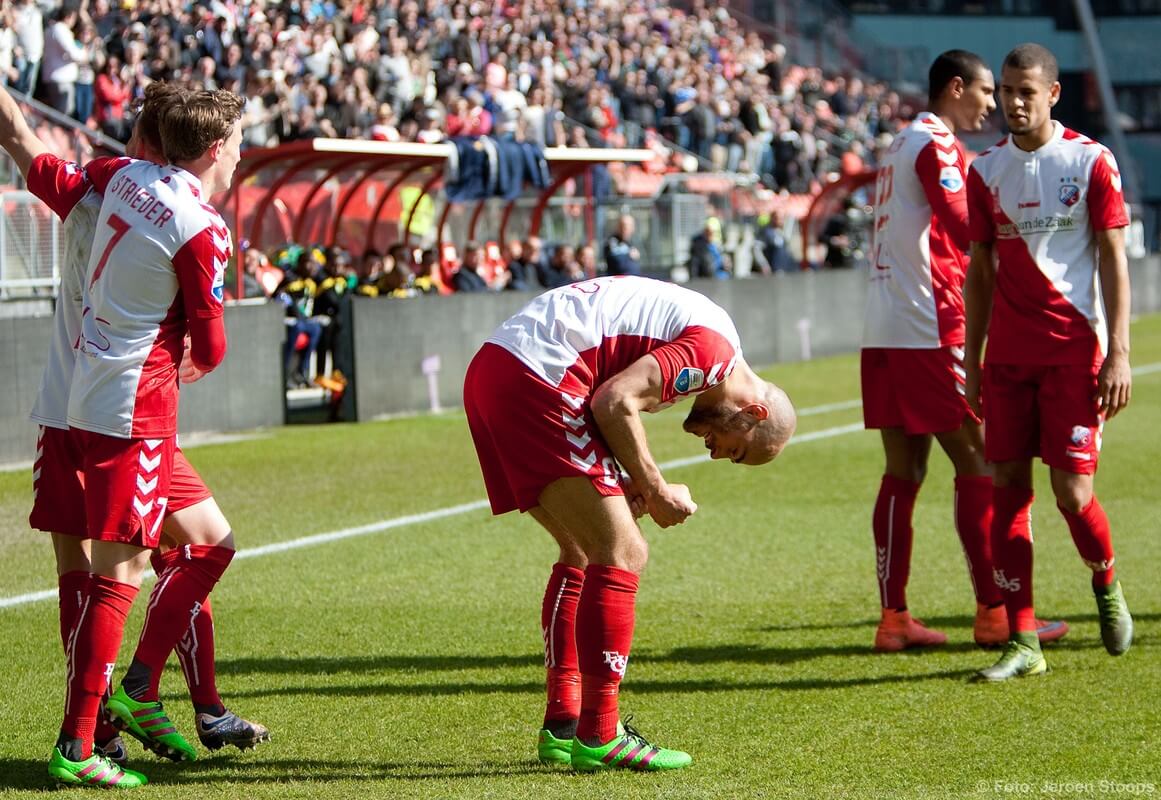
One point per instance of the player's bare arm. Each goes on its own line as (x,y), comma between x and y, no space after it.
(979,286)
(15,135)
(1115,381)
(617,407)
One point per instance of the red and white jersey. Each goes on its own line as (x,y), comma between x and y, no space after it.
(578,336)
(915,285)
(1041,209)
(64,188)
(156,271)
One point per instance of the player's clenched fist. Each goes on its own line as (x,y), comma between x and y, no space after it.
(670,504)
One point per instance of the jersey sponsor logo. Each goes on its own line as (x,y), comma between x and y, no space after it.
(1050,224)
(690,379)
(617,662)
(951,179)
(1070,194)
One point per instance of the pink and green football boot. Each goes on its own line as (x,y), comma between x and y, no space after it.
(97,770)
(627,750)
(147,723)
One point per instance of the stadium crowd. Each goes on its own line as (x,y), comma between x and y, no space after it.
(634,73)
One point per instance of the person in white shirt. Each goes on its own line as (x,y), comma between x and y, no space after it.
(62,54)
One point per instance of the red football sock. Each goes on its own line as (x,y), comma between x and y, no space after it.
(891,525)
(604,636)
(1093,540)
(93,652)
(1012,555)
(558,624)
(973,523)
(177,597)
(72,588)
(195,649)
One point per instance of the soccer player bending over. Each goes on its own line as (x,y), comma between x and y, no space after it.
(912,359)
(1047,230)
(581,363)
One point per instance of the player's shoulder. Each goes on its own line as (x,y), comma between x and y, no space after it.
(1082,147)
(990,157)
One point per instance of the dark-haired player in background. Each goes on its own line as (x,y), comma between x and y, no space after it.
(1048,245)
(912,360)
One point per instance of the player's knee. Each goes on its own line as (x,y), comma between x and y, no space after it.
(1073,498)
(635,555)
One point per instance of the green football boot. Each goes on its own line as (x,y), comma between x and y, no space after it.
(96,770)
(1116,624)
(148,724)
(1021,659)
(627,750)
(552,750)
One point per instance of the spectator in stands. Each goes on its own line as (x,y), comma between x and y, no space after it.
(838,236)
(92,59)
(260,278)
(28,25)
(774,246)
(297,293)
(523,273)
(535,259)
(384,129)
(61,56)
(368,274)
(621,255)
(112,93)
(331,302)
(467,277)
(586,259)
(562,269)
(706,258)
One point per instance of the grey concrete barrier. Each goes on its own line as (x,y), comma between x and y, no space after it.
(245,392)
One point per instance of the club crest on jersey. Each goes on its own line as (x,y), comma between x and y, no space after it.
(1070,194)
(690,379)
(951,179)
(1081,436)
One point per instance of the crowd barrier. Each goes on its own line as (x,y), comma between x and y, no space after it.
(411,355)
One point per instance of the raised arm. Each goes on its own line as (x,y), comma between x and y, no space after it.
(1115,382)
(617,406)
(16,137)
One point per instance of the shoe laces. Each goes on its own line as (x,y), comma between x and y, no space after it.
(633,733)
(1108,606)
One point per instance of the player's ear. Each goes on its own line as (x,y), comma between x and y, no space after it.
(756,410)
(215,149)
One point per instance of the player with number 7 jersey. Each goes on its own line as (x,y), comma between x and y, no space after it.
(155,275)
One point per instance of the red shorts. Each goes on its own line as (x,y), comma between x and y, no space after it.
(1046,411)
(529,434)
(920,391)
(58,483)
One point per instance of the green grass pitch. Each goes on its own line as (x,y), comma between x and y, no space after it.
(407,663)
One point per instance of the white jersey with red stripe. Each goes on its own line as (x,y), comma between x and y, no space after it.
(915,285)
(63,186)
(1042,209)
(576,337)
(158,261)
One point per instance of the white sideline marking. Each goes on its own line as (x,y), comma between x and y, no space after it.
(440,513)
(413,519)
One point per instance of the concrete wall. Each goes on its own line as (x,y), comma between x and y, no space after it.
(392,337)
(774,316)
(246,391)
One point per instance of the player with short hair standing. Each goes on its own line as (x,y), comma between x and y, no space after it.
(581,363)
(155,274)
(192,515)
(912,358)
(1047,230)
